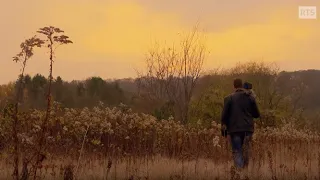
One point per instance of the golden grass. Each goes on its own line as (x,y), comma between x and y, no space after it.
(140,147)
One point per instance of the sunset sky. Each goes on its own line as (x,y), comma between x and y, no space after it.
(111,37)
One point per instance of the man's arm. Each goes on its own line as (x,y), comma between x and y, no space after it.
(225,111)
(255,109)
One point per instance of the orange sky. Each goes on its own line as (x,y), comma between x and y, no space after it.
(111,36)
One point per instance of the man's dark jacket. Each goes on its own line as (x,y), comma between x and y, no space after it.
(240,108)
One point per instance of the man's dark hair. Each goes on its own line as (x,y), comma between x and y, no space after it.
(237,83)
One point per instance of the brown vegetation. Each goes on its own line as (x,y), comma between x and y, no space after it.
(170,130)
(130,144)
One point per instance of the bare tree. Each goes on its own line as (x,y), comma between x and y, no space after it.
(54,38)
(172,72)
(25,54)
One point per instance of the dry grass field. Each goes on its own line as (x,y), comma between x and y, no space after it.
(115,143)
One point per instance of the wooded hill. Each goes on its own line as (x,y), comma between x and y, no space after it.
(299,89)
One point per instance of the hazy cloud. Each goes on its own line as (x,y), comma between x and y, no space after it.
(111,37)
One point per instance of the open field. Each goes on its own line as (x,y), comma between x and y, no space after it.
(137,146)
(136,93)
(163,168)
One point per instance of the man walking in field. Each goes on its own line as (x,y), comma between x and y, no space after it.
(240,108)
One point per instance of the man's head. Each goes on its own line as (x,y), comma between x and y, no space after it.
(237,83)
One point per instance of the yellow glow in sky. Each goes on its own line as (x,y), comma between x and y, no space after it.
(111,37)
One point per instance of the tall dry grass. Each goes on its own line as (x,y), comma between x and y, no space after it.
(120,144)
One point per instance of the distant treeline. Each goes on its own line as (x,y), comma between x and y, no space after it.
(300,88)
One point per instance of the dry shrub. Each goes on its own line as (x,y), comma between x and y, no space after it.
(120,141)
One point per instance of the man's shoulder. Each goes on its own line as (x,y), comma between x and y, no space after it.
(228,97)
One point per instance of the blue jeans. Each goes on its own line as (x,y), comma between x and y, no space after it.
(241,147)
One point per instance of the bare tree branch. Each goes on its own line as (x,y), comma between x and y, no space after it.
(173,71)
